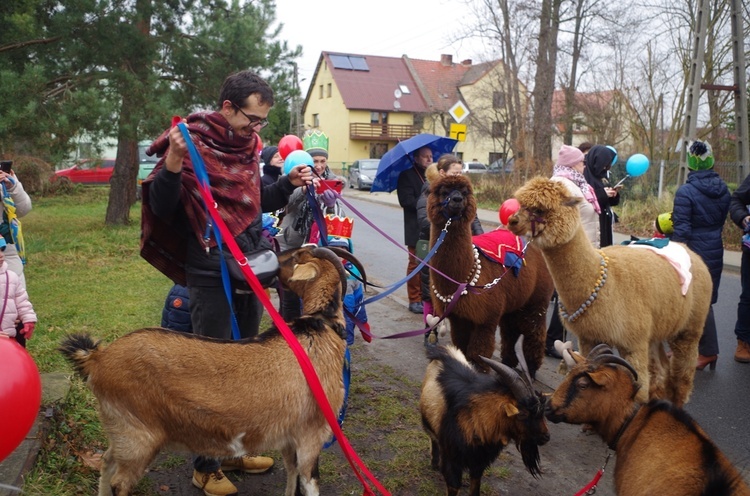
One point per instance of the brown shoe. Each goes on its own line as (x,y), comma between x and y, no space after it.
(248,464)
(742,354)
(213,483)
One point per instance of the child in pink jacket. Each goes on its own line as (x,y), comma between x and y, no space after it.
(14,302)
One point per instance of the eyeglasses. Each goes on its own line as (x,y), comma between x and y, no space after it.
(254,120)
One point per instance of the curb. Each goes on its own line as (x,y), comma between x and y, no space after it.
(55,387)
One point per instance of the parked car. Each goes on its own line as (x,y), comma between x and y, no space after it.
(501,165)
(145,165)
(472,167)
(362,173)
(88,171)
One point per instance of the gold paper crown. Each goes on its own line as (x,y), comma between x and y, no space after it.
(315,140)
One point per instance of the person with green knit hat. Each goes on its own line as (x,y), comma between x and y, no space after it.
(700,156)
(700,209)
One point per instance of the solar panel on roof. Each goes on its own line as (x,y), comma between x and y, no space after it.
(359,63)
(340,62)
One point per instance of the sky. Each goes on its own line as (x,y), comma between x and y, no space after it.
(421,29)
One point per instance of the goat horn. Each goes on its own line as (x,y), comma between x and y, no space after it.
(522,391)
(347,255)
(522,359)
(609,358)
(599,349)
(329,255)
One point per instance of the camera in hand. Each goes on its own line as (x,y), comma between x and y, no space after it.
(5,165)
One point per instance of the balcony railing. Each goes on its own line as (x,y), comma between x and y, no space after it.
(384,132)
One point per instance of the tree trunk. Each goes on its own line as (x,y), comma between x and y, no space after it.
(122,184)
(544,80)
(133,91)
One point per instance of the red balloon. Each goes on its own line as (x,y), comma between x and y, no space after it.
(508,208)
(20,395)
(288,144)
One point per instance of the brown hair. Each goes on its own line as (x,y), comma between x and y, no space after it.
(445,161)
(585,146)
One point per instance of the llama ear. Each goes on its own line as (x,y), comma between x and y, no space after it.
(571,201)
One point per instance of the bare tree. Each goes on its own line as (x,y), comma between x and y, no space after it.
(544,80)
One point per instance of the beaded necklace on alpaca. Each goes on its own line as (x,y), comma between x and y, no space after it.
(592,297)
(475,271)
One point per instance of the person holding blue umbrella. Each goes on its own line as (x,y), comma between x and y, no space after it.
(409,189)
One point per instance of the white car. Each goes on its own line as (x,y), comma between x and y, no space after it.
(472,167)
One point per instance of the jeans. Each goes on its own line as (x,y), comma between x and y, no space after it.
(742,327)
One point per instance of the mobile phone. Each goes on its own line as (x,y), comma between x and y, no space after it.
(5,165)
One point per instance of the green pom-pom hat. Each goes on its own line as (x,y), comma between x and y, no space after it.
(700,156)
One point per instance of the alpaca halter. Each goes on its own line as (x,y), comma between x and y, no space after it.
(444,205)
(473,275)
(535,219)
(594,293)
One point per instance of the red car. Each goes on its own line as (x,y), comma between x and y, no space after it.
(89,171)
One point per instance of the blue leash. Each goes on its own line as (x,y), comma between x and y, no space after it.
(200,172)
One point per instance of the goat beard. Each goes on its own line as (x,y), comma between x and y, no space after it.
(530,455)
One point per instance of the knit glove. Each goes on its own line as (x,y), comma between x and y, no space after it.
(28,329)
(329,198)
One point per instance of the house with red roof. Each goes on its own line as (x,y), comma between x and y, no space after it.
(600,117)
(366,104)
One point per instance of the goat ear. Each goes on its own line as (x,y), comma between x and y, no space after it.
(510,409)
(602,378)
(304,272)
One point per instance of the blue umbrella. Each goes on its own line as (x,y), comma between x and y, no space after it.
(401,157)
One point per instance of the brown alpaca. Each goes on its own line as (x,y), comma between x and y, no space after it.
(638,303)
(517,304)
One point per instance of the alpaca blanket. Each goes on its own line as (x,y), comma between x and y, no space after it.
(501,246)
(675,254)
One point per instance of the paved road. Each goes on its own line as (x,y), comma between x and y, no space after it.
(720,400)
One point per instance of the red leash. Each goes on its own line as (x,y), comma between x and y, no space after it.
(590,488)
(304,361)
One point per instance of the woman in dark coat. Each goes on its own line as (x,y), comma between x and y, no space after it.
(599,160)
(273,165)
(701,206)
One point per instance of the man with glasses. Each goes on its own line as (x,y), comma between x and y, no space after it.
(177,238)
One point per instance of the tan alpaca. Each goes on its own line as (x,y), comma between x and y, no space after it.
(637,306)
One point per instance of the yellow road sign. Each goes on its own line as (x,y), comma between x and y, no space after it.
(459,111)
(458,132)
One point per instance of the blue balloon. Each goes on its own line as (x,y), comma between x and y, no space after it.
(295,158)
(637,165)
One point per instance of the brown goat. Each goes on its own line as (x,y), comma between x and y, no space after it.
(628,297)
(157,388)
(660,448)
(470,417)
(518,304)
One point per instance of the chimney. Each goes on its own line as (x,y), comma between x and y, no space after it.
(466,62)
(446,60)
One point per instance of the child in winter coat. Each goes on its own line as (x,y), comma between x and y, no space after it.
(15,304)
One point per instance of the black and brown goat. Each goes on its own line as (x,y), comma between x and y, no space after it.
(157,388)
(660,448)
(518,304)
(471,416)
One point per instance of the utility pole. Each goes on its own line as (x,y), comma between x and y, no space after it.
(694,87)
(739,88)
